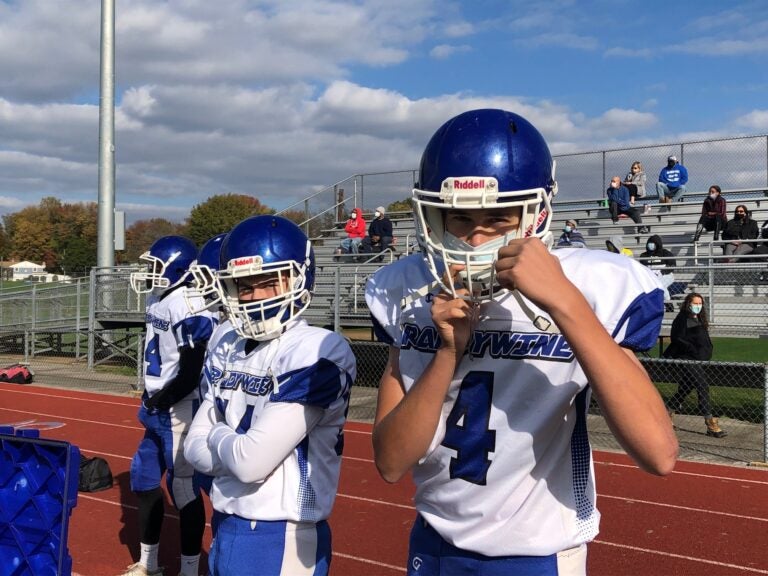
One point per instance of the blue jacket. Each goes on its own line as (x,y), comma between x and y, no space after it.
(674,177)
(572,239)
(620,195)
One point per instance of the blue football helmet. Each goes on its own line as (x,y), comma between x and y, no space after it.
(202,293)
(257,248)
(168,261)
(478,160)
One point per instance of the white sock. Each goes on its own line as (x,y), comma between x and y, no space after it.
(189,565)
(149,556)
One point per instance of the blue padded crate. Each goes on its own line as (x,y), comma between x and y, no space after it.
(38,490)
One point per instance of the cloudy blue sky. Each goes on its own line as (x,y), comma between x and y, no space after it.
(279,98)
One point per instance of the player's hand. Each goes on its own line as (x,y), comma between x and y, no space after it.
(526,265)
(453,317)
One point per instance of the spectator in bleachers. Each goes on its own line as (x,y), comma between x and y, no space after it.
(571,237)
(713,214)
(379,233)
(355,229)
(662,262)
(615,244)
(740,228)
(635,181)
(672,180)
(689,340)
(620,202)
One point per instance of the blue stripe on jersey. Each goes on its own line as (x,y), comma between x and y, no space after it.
(580,458)
(197,328)
(317,385)
(643,320)
(307,497)
(380,332)
(430,555)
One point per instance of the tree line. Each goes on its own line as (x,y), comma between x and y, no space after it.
(63,236)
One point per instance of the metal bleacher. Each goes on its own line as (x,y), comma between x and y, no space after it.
(738,296)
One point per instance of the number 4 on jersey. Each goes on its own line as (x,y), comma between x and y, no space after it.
(467,428)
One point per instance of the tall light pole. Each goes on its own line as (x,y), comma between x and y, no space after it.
(105,253)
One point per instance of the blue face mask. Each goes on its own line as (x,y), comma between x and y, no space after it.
(695,308)
(651,246)
(567,229)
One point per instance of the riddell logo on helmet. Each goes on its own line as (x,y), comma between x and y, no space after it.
(243,261)
(468,184)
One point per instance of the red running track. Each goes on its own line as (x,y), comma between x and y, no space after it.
(701,519)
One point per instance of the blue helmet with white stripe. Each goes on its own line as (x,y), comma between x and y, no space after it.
(480,160)
(168,261)
(257,248)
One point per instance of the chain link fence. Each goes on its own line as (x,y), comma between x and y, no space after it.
(96,361)
(736,394)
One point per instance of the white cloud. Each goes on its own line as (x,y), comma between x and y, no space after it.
(623,52)
(756,120)
(618,121)
(725,47)
(563,39)
(443,51)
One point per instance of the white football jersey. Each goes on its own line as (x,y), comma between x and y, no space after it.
(308,369)
(170,326)
(509,470)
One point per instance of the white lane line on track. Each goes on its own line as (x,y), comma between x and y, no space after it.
(65,397)
(69,418)
(366,561)
(685,508)
(695,474)
(372,501)
(681,557)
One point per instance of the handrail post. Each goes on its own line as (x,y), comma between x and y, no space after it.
(337,300)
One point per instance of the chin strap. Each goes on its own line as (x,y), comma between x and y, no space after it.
(542,323)
(416,294)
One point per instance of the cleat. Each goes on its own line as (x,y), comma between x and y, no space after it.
(138,570)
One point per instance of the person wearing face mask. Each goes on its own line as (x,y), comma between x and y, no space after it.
(689,340)
(662,262)
(496,345)
(355,229)
(620,202)
(571,237)
(379,233)
(713,214)
(740,228)
(672,180)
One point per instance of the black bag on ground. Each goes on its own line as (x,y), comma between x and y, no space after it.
(16,374)
(95,474)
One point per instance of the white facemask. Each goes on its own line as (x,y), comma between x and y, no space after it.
(376,214)
(696,308)
(452,243)
(354,216)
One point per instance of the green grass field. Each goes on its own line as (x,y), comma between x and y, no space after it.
(732,350)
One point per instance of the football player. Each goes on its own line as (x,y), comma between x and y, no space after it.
(496,344)
(270,427)
(173,357)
